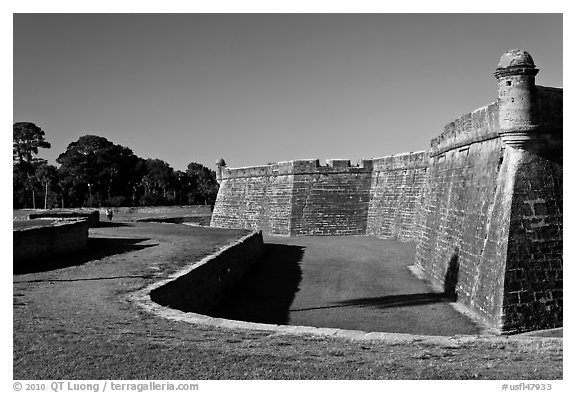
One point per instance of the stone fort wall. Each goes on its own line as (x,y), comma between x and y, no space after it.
(331,199)
(256,198)
(463,221)
(396,190)
(483,204)
(378,197)
(491,219)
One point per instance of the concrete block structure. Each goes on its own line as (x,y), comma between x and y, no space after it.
(483,204)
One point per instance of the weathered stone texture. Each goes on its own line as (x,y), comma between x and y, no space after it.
(478,126)
(330,200)
(298,197)
(462,246)
(395,195)
(491,229)
(533,277)
(255,198)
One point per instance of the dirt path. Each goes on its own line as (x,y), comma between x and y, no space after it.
(74,322)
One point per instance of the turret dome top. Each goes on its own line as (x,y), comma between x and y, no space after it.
(515,62)
(516,58)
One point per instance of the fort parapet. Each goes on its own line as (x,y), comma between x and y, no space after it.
(483,204)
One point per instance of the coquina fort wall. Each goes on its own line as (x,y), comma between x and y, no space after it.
(483,204)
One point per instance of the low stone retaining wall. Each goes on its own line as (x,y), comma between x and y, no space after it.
(206,283)
(59,237)
(187,209)
(93,216)
(202,212)
(196,220)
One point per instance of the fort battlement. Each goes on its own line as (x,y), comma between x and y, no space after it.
(281,168)
(332,166)
(297,167)
(483,204)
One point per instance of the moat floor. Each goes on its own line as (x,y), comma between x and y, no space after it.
(348,282)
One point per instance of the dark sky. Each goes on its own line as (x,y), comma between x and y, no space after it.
(257,88)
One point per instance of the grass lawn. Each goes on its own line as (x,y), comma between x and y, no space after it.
(72,320)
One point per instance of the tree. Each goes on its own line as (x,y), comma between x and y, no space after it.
(26,139)
(204,184)
(135,183)
(19,195)
(78,166)
(24,184)
(99,167)
(46,175)
(180,180)
(116,170)
(159,176)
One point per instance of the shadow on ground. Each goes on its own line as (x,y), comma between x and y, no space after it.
(382,302)
(267,292)
(200,220)
(97,248)
(110,224)
(405,300)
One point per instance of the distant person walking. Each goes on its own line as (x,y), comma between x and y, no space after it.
(109,214)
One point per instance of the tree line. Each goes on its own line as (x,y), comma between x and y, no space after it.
(94,172)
